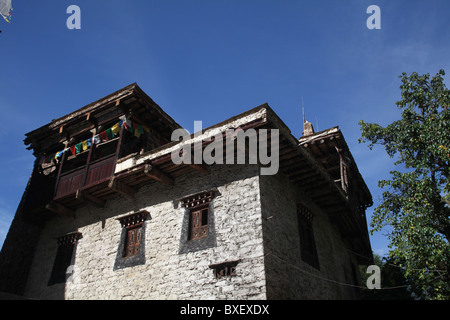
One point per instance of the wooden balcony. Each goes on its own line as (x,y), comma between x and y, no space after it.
(85,177)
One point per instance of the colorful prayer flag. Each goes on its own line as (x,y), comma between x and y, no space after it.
(84,145)
(109,133)
(103,136)
(78,147)
(115,129)
(96,139)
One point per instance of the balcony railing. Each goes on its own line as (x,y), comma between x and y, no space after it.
(85,177)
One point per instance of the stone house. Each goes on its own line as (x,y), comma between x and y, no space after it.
(108,214)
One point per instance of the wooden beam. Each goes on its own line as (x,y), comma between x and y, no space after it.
(122,188)
(86,197)
(158,175)
(59,209)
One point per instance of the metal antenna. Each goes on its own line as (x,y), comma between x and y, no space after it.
(303,111)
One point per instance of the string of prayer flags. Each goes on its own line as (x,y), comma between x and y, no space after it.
(136,129)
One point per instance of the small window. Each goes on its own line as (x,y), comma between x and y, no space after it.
(307,241)
(197,232)
(198,206)
(224,269)
(132,241)
(199,224)
(64,257)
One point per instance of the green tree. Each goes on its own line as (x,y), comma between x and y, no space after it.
(415,200)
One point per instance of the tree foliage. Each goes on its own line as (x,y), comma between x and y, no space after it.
(415,201)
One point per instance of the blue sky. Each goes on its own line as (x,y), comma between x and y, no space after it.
(209,60)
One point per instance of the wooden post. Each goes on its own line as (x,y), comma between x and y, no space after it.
(58,177)
(88,161)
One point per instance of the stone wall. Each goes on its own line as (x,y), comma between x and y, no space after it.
(288,277)
(166,273)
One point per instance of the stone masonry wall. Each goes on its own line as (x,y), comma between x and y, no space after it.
(167,273)
(288,277)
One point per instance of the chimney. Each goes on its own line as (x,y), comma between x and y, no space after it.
(307,128)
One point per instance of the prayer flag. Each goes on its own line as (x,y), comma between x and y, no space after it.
(109,133)
(115,129)
(96,139)
(129,125)
(103,136)
(78,147)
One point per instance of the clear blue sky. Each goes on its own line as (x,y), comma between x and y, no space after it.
(212,59)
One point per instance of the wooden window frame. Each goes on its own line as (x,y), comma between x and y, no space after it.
(199,211)
(133,240)
(198,224)
(197,232)
(130,252)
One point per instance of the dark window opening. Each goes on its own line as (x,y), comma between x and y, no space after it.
(132,144)
(104,149)
(64,257)
(225,269)
(307,242)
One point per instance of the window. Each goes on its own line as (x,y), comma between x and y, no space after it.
(198,206)
(225,269)
(198,223)
(307,241)
(132,241)
(65,256)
